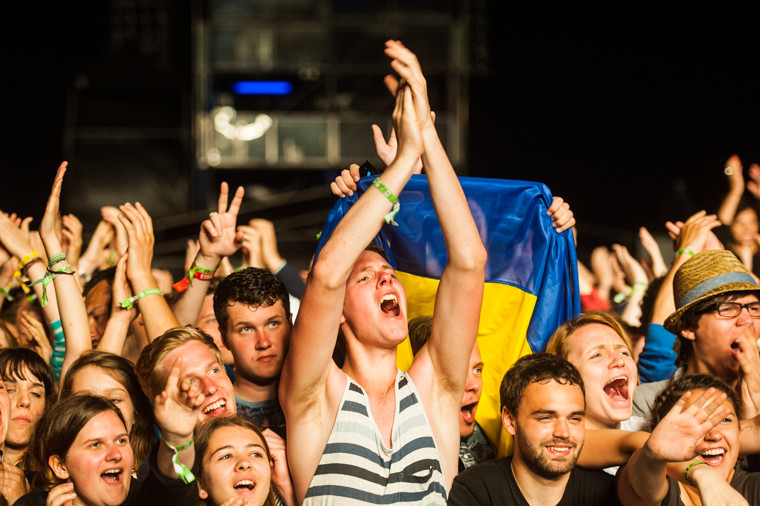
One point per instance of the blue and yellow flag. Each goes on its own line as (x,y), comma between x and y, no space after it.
(531,275)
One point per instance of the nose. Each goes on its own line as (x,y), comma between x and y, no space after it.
(384,278)
(209,385)
(114,453)
(713,435)
(22,399)
(744,317)
(243,463)
(616,360)
(561,429)
(262,340)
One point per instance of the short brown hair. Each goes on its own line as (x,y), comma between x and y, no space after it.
(536,368)
(668,397)
(149,367)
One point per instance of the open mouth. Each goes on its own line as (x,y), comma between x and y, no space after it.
(215,408)
(468,412)
(714,456)
(389,305)
(245,485)
(111,476)
(617,388)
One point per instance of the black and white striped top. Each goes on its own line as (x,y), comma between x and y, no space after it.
(356,466)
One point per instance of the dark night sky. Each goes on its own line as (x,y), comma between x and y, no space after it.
(614,107)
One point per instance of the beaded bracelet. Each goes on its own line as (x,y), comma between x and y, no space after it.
(185,474)
(128,303)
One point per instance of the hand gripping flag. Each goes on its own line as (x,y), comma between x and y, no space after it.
(531,279)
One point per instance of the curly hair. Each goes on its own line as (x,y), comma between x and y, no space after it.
(668,397)
(535,368)
(252,286)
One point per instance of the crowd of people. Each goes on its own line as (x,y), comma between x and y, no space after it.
(256,385)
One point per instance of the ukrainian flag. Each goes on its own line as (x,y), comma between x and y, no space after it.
(531,275)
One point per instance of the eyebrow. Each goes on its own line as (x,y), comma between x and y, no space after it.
(34,383)
(553,412)
(225,447)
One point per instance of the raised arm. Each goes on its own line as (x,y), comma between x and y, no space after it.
(71,307)
(644,481)
(219,237)
(460,292)
(156,314)
(730,204)
(309,359)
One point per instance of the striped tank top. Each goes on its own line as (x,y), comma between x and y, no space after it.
(356,466)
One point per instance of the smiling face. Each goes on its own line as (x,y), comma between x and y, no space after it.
(235,465)
(94,380)
(99,461)
(200,363)
(375,300)
(472,391)
(258,337)
(27,405)
(720,446)
(608,371)
(548,428)
(715,341)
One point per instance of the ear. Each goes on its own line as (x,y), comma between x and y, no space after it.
(688,334)
(508,420)
(202,493)
(58,467)
(290,319)
(342,319)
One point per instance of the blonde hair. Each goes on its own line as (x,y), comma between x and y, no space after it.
(559,344)
(149,368)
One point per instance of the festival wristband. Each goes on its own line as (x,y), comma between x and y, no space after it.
(60,257)
(196,272)
(392,198)
(185,474)
(640,286)
(687,251)
(49,276)
(6,292)
(27,259)
(128,303)
(688,468)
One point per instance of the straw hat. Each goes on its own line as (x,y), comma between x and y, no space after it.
(709,273)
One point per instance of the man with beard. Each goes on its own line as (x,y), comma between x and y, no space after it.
(543,408)
(252,310)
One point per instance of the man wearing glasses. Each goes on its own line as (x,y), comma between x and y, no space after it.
(717,323)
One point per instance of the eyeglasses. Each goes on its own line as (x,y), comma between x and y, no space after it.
(734,309)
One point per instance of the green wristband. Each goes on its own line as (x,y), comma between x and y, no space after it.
(688,468)
(389,218)
(687,251)
(127,304)
(60,257)
(184,473)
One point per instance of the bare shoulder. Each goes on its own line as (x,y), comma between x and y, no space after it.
(309,425)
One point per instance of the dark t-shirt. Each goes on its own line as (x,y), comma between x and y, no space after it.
(747,484)
(492,483)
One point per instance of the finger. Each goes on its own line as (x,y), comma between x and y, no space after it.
(145,218)
(237,200)
(353,169)
(224,191)
(337,191)
(208,227)
(25,224)
(556,204)
(391,83)
(217,221)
